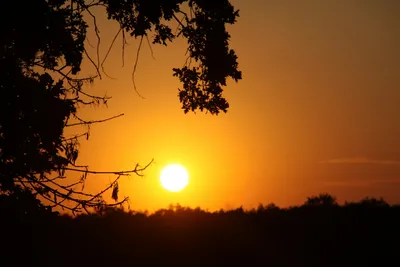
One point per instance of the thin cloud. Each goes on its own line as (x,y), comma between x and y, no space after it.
(361,160)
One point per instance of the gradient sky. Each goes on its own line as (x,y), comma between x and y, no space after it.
(317,111)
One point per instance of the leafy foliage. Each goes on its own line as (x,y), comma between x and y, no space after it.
(208,44)
(34,108)
(207,41)
(41,51)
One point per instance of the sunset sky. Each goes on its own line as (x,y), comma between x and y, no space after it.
(317,110)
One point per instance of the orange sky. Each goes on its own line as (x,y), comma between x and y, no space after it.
(316,111)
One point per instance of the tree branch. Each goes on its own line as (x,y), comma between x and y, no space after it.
(136,170)
(135,66)
(108,52)
(94,121)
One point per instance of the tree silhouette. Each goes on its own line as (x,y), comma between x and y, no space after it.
(182,236)
(323,199)
(369,202)
(42,48)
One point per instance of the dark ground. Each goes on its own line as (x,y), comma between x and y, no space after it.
(358,234)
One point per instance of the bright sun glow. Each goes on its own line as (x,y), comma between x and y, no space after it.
(174,177)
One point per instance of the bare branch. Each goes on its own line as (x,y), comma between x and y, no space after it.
(97,31)
(93,63)
(178,20)
(88,200)
(71,82)
(151,49)
(124,42)
(137,170)
(89,43)
(108,52)
(94,121)
(74,137)
(135,66)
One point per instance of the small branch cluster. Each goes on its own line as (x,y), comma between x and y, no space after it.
(71,196)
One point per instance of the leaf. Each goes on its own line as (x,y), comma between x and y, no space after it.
(115,192)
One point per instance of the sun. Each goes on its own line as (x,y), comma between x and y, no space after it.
(174,177)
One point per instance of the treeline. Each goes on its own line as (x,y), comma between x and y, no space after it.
(318,233)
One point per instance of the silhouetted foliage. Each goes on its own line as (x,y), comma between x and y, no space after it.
(41,51)
(323,199)
(373,202)
(352,235)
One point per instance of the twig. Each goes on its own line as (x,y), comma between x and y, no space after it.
(123,48)
(97,31)
(179,21)
(151,49)
(136,170)
(92,122)
(108,52)
(93,63)
(135,66)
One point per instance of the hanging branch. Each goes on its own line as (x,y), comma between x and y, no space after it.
(135,66)
(108,52)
